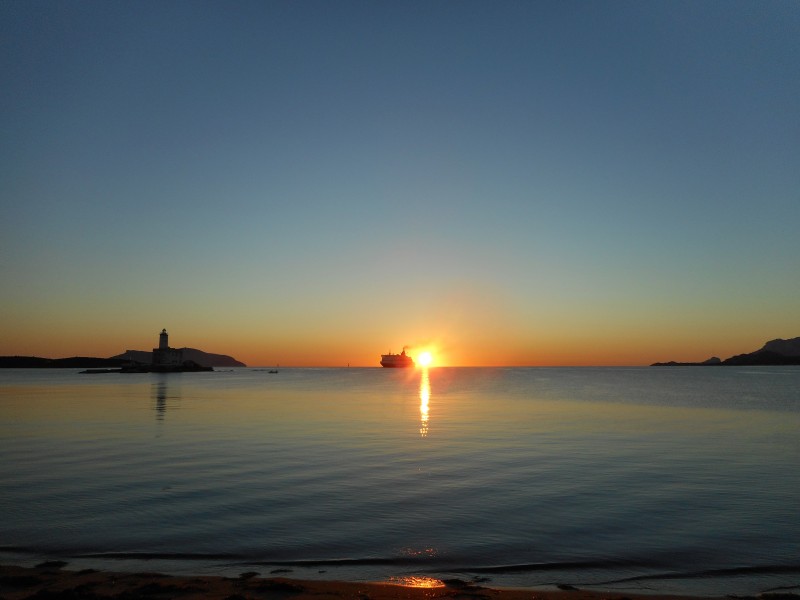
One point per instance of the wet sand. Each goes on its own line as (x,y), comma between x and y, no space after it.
(55,582)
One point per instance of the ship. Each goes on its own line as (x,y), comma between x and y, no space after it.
(397,360)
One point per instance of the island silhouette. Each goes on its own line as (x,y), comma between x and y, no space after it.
(165,355)
(774,353)
(163,358)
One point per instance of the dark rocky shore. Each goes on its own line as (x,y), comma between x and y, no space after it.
(134,361)
(49,581)
(778,352)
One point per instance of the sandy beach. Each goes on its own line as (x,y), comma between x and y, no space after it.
(55,581)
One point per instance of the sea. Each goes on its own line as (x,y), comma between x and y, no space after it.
(646,480)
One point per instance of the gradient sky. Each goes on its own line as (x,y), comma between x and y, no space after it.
(317,183)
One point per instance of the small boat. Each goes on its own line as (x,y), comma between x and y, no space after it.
(397,360)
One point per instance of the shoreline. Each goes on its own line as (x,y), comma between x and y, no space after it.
(52,581)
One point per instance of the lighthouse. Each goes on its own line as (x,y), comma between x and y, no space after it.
(164,356)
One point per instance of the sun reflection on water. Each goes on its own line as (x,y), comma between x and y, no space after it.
(416,581)
(424,398)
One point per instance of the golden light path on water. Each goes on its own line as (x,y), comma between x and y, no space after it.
(424,399)
(416,581)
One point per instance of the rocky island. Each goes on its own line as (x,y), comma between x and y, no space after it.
(774,353)
(161,359)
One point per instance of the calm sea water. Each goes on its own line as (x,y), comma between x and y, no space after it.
(640,479)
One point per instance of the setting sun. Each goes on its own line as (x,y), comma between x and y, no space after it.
(424,359)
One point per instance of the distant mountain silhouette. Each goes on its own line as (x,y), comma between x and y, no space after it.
(73,362)
(205,359)
(775,352)
(785,347)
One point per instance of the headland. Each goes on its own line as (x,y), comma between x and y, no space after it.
(162,359)
(775,353)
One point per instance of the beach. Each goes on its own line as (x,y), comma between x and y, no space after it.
(52,580)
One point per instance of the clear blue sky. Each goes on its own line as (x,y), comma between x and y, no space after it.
(321,182)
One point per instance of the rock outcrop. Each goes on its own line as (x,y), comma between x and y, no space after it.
(190,355)
(205,359)
(773,353)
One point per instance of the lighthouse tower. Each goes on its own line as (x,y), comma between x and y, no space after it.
(164,356)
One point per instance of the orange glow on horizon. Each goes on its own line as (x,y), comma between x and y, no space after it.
(294,346)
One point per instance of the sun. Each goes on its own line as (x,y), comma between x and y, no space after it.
(424,359)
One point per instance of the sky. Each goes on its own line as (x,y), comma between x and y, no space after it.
(317,183)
